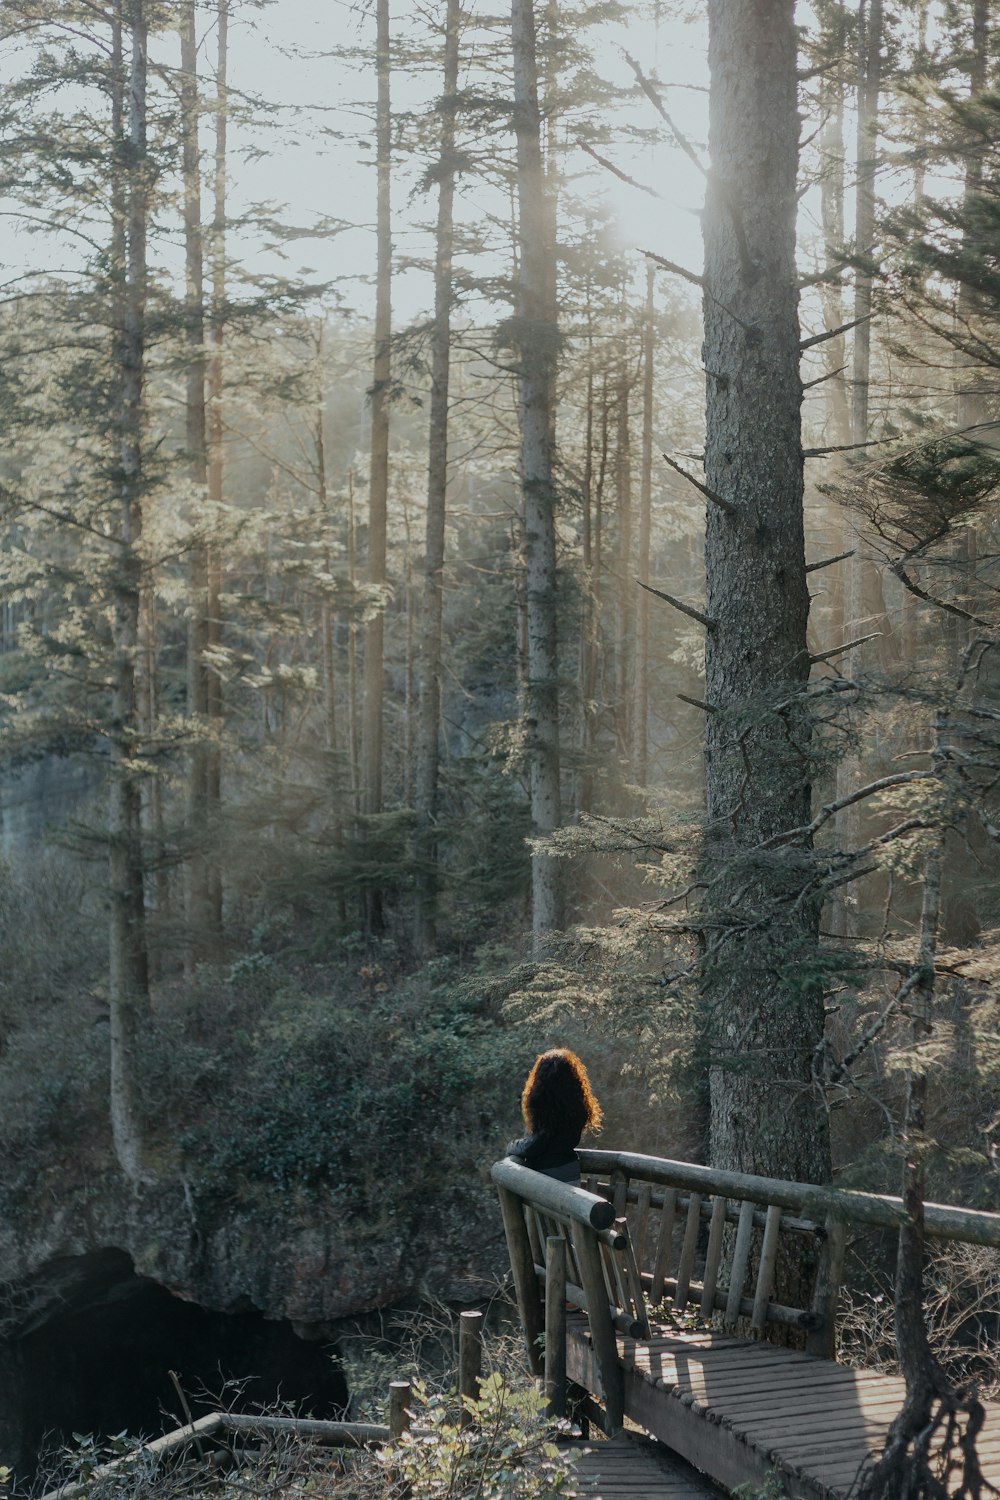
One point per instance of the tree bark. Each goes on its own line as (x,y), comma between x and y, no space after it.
(378,484)
(765,1017)
(625,653)
(128,960)
(212,916)
(869,88)
(537,337)
(640,715)
(429,667)
(196,893)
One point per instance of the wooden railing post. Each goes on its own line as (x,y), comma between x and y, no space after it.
(399,1423)
(522,1265)
(822,1340)
(399,1408)
(555,1326)
(470,1361)
(602,1333)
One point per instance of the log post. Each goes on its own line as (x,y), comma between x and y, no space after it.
(555,1326)
(399,1408)
(399,1423)
(602,1333)
(522,1265)
(470,1362)
(822,1340)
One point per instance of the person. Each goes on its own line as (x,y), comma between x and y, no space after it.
(558,1105)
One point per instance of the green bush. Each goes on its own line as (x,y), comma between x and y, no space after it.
(506,1453)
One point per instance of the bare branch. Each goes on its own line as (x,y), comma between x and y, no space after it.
(669,265)
(726,505)
(832,333)
(685,609)
(828,562)
(706,708)
(831,809)
(921,593)
(874,1029)
(653,95)
(845,447)
(807,385)
(847,646)
(609,166)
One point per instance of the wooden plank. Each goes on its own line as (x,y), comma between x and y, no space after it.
(874,1397)
(714,1450)
(733,1383)
(750,1410)
(802,1451)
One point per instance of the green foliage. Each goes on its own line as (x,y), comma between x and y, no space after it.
(506,1453)
(353,1082)
(772,1489)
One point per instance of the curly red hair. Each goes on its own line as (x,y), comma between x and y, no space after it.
(557,1096)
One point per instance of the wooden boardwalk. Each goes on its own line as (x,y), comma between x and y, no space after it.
(740,1410)
(633,1466)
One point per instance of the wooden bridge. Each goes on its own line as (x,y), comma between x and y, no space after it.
(701,1247)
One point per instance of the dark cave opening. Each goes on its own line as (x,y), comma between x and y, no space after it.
(99,1363)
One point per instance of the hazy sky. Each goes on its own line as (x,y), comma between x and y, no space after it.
(274,53)
(307,158)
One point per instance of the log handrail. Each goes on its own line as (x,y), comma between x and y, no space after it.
(878,1210)
(572,1203)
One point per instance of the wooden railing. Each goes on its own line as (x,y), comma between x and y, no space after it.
(646,1228)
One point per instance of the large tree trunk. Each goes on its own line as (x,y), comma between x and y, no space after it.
(537,341)
(640,714)
(765,1018)
(128,961)
(832,212)
(216,477)
(429,668)
(378,484)
(197,888)
(625,652)
(866,611)
(973,403)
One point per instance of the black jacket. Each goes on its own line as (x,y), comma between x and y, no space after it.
(553,1154)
